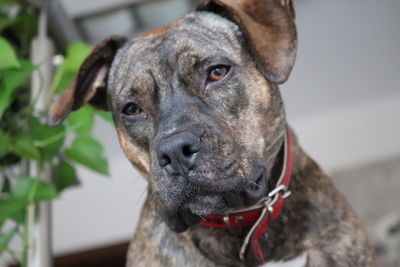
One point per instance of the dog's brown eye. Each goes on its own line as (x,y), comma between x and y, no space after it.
(131,109)
(217,73)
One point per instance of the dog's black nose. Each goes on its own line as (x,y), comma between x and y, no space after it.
(178,153)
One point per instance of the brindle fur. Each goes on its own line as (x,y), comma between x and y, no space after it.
(315,219)
(240,121)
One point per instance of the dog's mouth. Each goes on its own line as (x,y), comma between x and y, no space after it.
(246,193)
(198,202)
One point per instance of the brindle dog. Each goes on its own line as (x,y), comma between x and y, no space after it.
(198,112)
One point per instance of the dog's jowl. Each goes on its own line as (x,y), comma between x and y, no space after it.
(198,112)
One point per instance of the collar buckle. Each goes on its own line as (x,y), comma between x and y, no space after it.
(270,200)
(280,188)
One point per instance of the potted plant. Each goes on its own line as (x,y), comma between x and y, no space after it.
(37,162)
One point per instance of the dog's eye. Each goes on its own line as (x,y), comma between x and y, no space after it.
(217,73)
(131,109)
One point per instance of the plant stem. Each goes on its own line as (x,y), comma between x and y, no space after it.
(29,217)
(25,239)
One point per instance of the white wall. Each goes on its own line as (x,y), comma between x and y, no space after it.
(100,211)
(348,54)
(78,8)
(343,100)
(352,135)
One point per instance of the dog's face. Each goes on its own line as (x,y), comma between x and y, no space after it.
(196,105)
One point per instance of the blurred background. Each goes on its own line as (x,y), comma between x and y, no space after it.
(342,99)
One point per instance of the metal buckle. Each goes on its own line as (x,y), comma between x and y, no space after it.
(278,189)
(227,222)
(269,205)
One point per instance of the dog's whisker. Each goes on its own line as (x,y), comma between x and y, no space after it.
(226,199)
(254,183)
(140,197)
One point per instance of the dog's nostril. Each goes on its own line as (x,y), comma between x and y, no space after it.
(188,151)
(164,160)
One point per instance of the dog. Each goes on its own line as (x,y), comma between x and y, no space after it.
(198,113)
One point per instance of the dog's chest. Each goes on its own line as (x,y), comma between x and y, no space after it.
(300,261)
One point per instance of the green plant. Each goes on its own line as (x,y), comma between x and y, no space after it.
(27,145)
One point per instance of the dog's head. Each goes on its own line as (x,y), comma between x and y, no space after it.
(196,103)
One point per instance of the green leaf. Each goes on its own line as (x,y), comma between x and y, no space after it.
(8,2)
(25,27)
(5,239)
(25,191)
(47,139)
(12,79)
(8,58)
(12,208)
(76,54)
(106,115)
(63,176)
(63,78)
(5,21)
(82,120)
(88,152)
(32,190)
(22,145)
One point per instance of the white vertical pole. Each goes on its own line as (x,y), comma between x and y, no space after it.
(42,51)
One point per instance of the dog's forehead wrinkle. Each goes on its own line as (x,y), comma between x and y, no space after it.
(214,31)
(131,60)
(174,53)
(209,27)
(219,24)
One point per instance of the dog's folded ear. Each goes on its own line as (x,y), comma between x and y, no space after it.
(269,29)
(90,85)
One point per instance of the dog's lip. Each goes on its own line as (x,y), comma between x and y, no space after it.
(254,185)
(251,191)
(256,188)
(200,207)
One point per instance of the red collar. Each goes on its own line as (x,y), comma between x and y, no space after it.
(260,215)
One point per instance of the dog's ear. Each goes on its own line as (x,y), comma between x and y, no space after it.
(90,85)
(269,29)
